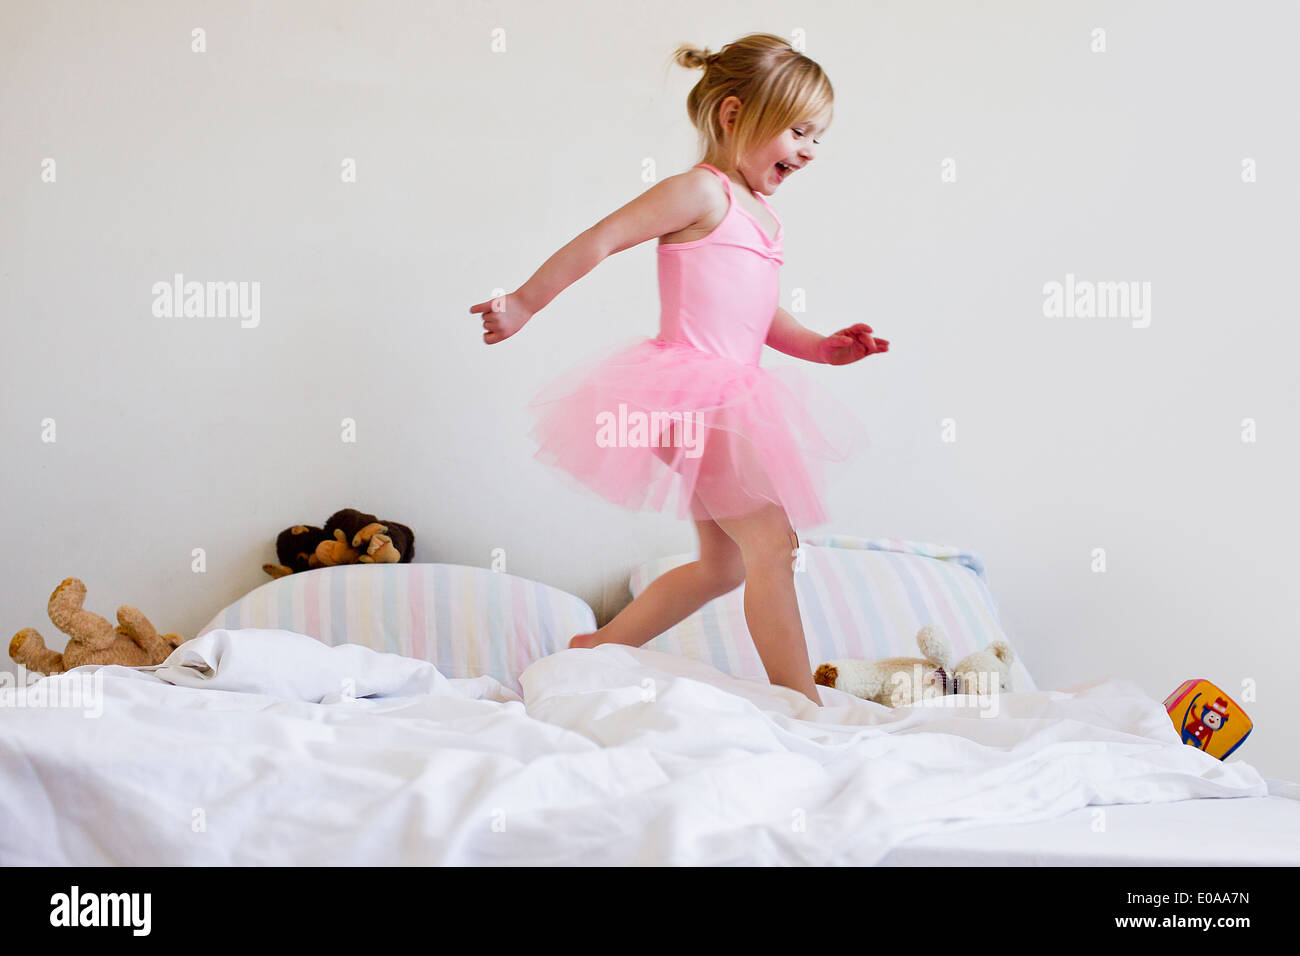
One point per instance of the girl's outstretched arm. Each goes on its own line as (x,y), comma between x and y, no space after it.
(845,346)
(666,207)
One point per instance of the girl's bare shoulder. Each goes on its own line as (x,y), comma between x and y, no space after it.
(707,196)
(675,209)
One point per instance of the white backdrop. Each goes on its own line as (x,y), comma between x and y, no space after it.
(978,153)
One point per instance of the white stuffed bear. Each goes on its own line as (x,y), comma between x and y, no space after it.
(897,681)
(985,672)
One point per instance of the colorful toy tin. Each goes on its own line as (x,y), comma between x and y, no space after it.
(1207,718)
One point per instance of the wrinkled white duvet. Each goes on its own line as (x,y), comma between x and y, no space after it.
(265,747)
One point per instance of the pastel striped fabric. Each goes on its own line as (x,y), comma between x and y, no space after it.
(858,598)
(467,621)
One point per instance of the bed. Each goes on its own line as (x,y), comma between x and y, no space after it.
(431,714)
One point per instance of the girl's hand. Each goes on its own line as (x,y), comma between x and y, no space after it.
(502,317)
(850,345)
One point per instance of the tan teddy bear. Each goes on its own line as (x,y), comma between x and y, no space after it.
(985,672)
(896,681)
(91,639)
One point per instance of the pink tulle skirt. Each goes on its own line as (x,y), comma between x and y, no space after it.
(663,426)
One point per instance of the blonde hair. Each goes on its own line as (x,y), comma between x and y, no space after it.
(776,85)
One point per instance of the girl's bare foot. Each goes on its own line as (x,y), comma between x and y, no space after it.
(584,640)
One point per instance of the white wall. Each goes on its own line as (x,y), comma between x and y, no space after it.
(1072,434)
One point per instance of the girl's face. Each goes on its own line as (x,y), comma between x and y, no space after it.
(789,151)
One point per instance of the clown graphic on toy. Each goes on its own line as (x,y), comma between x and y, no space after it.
(1197,731)
(1205,726)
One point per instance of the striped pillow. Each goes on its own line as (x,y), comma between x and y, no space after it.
(858,598)
(467,621)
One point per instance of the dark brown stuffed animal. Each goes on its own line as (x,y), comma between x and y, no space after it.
(91,639)
(375,541)
(349,537)
(296,549)
(387,543)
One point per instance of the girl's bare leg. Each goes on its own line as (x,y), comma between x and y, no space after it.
(767,543)
(677,594)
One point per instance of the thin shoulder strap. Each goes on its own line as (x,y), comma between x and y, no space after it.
(763,200)
(721,175)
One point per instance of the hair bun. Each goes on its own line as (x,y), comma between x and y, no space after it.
(695,58)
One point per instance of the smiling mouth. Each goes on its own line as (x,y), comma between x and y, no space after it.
(783,170)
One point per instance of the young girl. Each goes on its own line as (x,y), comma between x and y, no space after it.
(690,413)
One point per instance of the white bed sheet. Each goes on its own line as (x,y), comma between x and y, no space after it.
(247,747)
(1255,831)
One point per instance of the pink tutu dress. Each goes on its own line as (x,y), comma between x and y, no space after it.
(688,421)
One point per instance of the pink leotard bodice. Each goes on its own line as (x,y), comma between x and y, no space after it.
(720,293)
